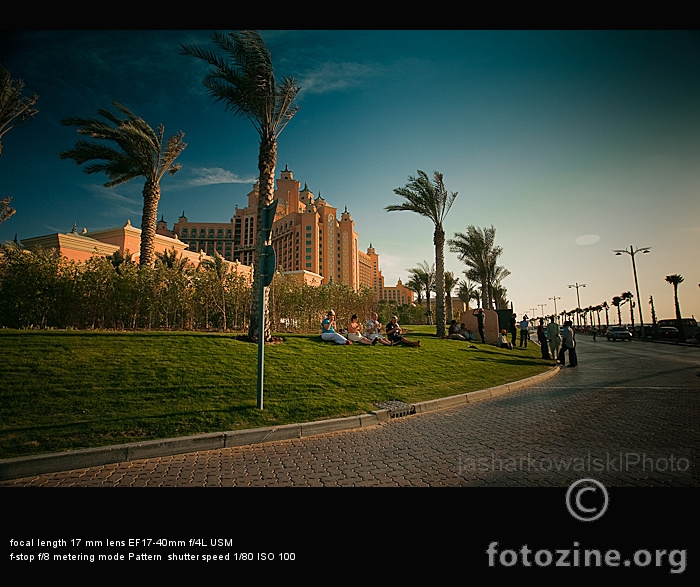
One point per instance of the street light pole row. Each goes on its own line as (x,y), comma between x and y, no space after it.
(631,252)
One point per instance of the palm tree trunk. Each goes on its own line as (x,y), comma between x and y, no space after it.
(267,160)
(149,219)
(439,241)
(679,320)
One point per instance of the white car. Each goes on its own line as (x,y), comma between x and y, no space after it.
(618,333)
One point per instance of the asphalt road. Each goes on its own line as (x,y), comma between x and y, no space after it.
(627,416)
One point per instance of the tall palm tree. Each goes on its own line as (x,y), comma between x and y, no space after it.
(136,151)
(450,284)
(14,107)
(629,298)
(675,280)
(606,307)
(242,77)
(617,302)
(425,276)
(429,197)
(476,248)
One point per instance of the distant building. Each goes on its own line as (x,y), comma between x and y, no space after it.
(125,239)
(308,238)
(310,242)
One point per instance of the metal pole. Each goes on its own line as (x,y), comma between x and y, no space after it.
(639,304)
(261,341)
(555,298)
(632,252)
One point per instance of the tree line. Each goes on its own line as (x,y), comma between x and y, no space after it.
(43,289)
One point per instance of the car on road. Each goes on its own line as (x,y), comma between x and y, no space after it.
(618,333)
(668,332)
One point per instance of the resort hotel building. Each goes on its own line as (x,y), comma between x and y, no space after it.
(309,239)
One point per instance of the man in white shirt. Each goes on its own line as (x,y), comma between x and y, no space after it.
(373,330)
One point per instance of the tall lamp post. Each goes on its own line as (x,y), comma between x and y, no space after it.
(632,252)
(542,306)
(555,298)
(578,299)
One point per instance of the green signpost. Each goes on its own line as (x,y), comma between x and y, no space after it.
(267,268)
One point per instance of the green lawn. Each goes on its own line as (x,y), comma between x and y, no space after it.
(65,390)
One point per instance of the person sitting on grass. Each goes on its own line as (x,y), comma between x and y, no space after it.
(393,332)
(355,334)
(503,341)
(454,332)
(373,330)
(467,334)
(328,332)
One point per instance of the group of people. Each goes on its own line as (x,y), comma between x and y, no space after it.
(373,332)
(552,338)
(460,332)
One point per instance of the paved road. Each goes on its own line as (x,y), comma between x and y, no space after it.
(627,415)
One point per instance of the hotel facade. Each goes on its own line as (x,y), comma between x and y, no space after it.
(310,242)
(308,237)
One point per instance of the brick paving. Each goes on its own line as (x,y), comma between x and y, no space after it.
(627,415)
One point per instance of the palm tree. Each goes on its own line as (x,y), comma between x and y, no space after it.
(450,284)
(14,107)
(598,309)
(415,284)
(476,248)
(467,291)
(137,151)
(244,79)
(675,280)
(654,324)
(424,275)
(429,198)
(629,297)
(606,307)
(5,209)
(617,302)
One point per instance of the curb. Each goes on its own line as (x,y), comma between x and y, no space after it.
(94,457)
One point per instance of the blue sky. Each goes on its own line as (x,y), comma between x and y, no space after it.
(570,143)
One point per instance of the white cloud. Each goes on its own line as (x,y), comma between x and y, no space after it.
(216,175)
(332,76)
(587,239)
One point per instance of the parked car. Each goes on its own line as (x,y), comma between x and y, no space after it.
(668,332)
(618,333)
(690,326)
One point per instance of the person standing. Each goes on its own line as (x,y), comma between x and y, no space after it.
(554,337)
(514,328)
(568,343)
(479,313)
(542,339)
(524,334)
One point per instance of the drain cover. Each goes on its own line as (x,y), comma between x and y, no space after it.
(396,408)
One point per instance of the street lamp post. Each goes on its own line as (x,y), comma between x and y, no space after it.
(578,299)
(555,298)
(632,252)
(542,306)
